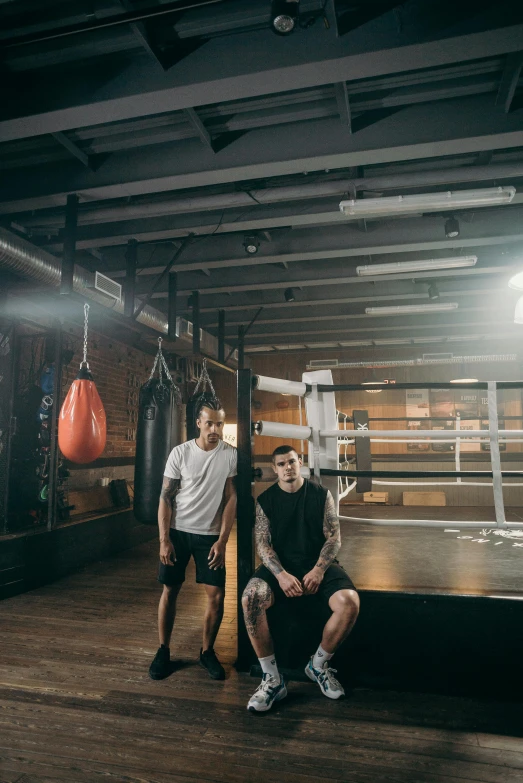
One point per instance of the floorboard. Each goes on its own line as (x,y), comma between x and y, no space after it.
(76,703)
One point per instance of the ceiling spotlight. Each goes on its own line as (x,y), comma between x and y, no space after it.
(451,228)
(433,291)
(284,16)
(251,244)
(289,295)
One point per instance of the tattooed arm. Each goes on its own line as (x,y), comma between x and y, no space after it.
(288,583)
(331,531)
(169,491)
(331,547)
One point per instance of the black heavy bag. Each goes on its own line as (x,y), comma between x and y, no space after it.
(158,431)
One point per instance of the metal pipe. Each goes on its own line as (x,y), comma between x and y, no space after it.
(71,224)
(131,258)
(241,199)
(52,496)
(172,311)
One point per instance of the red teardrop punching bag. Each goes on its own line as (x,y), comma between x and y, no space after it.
(82,425)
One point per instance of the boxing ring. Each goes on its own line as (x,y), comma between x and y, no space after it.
(324,436)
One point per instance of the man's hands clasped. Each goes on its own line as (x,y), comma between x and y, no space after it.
(293,588)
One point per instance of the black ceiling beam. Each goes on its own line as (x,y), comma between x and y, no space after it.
(269,72)
(509,80)
(103,23)
(430,130)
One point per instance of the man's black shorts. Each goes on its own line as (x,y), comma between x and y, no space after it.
(334,579)
(195,545)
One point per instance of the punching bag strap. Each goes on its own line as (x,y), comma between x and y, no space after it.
(204,381)
(161,364)
(84,362)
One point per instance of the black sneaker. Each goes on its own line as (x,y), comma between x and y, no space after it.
(210,662)
(160,668)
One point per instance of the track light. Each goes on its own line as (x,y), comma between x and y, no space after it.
(433,291)
(452,228)
(284,16)
(251,244)
(289,295)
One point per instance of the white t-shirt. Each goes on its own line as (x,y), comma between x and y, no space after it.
(198,504)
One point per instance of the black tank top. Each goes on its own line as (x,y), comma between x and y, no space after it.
(296,525)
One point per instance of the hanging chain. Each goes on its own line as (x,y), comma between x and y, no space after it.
(204,380)
(86,326)
(161,364)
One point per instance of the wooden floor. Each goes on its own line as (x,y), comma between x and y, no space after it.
(77,704)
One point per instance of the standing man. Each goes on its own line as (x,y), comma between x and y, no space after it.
(195,516)
(297,539)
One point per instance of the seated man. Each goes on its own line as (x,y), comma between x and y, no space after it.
(297,539)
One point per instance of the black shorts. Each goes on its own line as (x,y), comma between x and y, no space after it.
(334,579)
(187,545)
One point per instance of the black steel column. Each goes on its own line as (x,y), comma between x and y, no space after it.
(221,336)
(172,312)
(195,301)
(71,218)
(241,347)
(131,257)
(245,512)
(53,452)
(8,421)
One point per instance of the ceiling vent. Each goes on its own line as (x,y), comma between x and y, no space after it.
(107,286)
(317,364)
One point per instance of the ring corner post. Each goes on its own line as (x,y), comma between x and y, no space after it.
(245,508)
(495,459)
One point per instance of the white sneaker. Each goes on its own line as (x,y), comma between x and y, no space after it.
(268,691)
(325,678)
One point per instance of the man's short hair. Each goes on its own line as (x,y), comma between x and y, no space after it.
(282,450)
(206,400)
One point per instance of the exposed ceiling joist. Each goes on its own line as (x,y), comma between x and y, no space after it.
(500,271)
(118,103)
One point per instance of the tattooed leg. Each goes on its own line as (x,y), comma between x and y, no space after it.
(256,599)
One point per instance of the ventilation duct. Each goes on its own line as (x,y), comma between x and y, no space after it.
(21,257)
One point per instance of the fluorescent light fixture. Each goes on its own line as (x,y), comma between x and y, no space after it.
(417,340)
(322,345)
(426,202)
(369,270)
(441,307)
(256,348)
(356,343)
(465,380)
(518,312)
(393,341)
(516,282)
(290,347)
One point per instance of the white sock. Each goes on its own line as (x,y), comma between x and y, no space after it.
(320,656)
(269,666)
